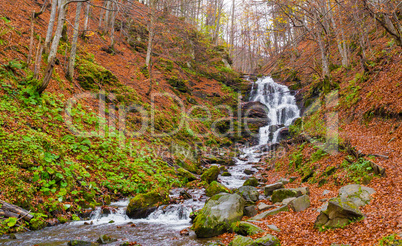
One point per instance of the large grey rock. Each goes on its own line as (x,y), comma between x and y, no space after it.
(340,212)
(249,193)
(218,214)
(269,189)
(359,195)
(270,213)
(281,194)
(300,203)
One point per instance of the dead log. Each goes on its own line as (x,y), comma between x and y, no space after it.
(12,209)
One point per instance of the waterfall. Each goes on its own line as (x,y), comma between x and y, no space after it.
(282,108)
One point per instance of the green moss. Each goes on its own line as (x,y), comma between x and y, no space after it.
(211,174)
(186,175)
(281,194)
(216,188)
(91,75)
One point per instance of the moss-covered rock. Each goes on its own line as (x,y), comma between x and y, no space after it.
(281,194)
(186,174)
(91,75)
(226,174)
(339,213)
(216,188)
(241,241)
(360,195)
(211,174)
(104,239)
(81,243)
(267,240)
(246,229)
(218,215)
(251,182)
(144,204)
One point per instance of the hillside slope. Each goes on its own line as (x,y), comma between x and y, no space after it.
(49,169)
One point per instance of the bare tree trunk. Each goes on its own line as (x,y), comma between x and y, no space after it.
(151,29)
(324,56)
(71,61)
(51,25)
(101,15)
(31,42)
(38,59)
(232,29)
(107,15)
(54,47)
(87,11)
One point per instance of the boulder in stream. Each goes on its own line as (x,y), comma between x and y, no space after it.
(218,214)
(104,239)
(252,181)
(81,243)
(186,174)
(216,188)
(143,205)
(211,174)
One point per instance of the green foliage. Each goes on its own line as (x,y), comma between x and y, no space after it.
(358,171)
(92,75)
(389,240)
(352,95)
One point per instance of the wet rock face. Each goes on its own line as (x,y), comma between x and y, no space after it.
(344,209)
(254,110)
(218,214)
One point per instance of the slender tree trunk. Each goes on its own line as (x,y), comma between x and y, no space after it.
(71,61)
(38,59)
(54,47)
(107,15)
(87,11)
(31,42)
(51,25)
(151,29)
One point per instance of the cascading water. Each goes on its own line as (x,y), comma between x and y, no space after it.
(282,108)
(162,226)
